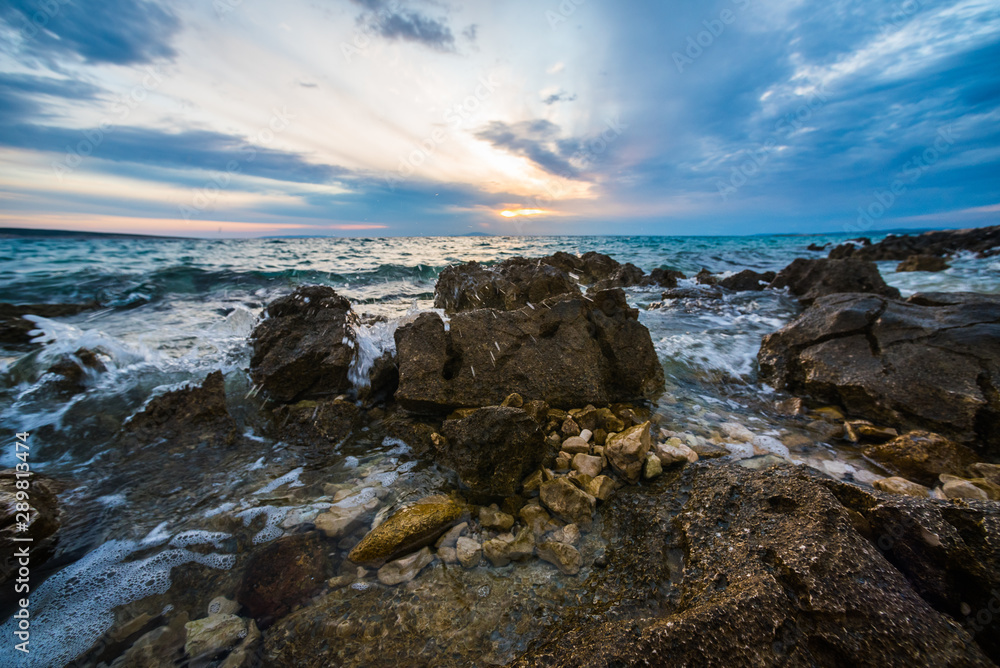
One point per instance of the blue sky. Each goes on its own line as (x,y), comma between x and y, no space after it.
(392,117)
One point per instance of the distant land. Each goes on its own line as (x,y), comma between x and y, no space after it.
(25,232)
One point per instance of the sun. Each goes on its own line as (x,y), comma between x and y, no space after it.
(512,213)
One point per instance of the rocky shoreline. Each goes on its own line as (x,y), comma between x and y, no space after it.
(534,386)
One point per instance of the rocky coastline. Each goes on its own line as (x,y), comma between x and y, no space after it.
(534,387)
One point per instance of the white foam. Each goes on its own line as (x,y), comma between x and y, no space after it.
(272,528)
(157,536)
(225,507)
(259,464)
(373,341)
(397,446)
(291,479)
(197,537)
(75,607)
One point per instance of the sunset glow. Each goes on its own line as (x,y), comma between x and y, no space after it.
(513,213)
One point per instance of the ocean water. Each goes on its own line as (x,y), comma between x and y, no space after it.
(174,310)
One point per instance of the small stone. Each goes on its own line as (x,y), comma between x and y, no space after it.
(736,431)
(448,555)
(337,521)
(450,537)
(406,530)
(830,413)
(210,636)
(653,467)
(708,451)
(586,435)
(601,487)
(220,605)
(563,498)
(600,436)
(897,485)
(627,451)
(563,556)
(340,581)
(534,517)
(570,428)
(496,551)
(575,445)
(792,406)
(523,545)
(613,424)
(562,461)
(581,480)
(513,400)
(554,440)
(568,534)
(959,488)
(494,518)
(469,552)
(532,482)
(405,569)
(796,441)
(587,465)
(858,431)
(670,453)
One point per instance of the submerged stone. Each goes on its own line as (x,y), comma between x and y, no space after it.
(407,530)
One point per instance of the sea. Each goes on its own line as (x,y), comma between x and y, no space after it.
(173,310)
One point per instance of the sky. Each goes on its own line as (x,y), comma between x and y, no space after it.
(438,117)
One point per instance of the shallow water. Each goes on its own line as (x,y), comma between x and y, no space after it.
(139,532)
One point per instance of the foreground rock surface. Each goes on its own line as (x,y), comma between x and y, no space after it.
(778,567)
(568,351)
(931,362)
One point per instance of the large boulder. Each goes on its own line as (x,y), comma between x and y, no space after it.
(511,284)
(931,362)
(406,531)
(810,279)
(982,240)
(748,280)
(492,449)
(723,565)
(304,346)
(569,351)
(923,263)
(282,574)
(922,456)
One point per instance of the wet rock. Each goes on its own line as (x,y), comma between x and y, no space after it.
(282,574)
(569,351)
(704,451)
(184,419)
(923,263)
(407,530)
(601,487)
(74,370)
(451,536)
(748,280)
(535,517)
(627,275)
(220,605)
(563,461)
(513,400)
(954,487)
(505,549)
(626,452)
(674,452)
(563,556)
(981,240)
(575,445)
(304,346)
(508,285)
(862,431)
(931,362)
(492,449)
(665,278)
(44,518)
(341,521)
(568,501)
(469,552)
(160,648)
(587,464)
(588,269)
(653,468)
(569,428)
(569,534)
(773,563)
(989,472)
(897,485)
(493,518)
(314,422)
(214,635)
(405,569)
(922,456)
(446,554)
(811,279)
(15,329)
(817,247)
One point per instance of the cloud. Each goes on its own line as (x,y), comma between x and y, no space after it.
(389,20)
(561,96)
(120,32)
(535,140)
(19,93)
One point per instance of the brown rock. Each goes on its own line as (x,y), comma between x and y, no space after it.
(568,501)
(627,451)
(811,279)
(282,574)
(563,556)
(923,263)
(922,456)
(896,485)
(407,530)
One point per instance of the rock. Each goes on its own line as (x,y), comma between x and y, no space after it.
(563,461)
(407,530)
(44,517)
(989,472)
(523,545)
(586,435)
(665,278)
(492,449)
(74,370)
(312,422)
(404,569)
(220,605)
(981,240)
(653,468)
(811,279)
(817,247)
(451,536)
(508,285)
(600,436)
(735,431)
(210,636)
(705,451)
(705,277)
(469,552)
(923,263)
(535,518)
(575,445)
(569,351)
(184,418)
(492,518)
(304,346)
(513,400)
(15,329)
(785,568)
(748,280)
(858,431)
(601,487)
(569,428)
(922,456)
(563,556)
(532,482)
(959,488)
(587,464)
(156,649)
(627,451)
(930,363)
(671,453)
(281,575)
(341,521)
(897,485)
(568,501)
(448,555)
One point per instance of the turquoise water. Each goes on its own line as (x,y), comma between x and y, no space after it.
(174,310)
